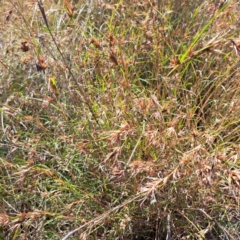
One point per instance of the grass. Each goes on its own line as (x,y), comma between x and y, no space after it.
(119,120)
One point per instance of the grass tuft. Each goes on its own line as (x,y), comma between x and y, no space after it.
(119,120)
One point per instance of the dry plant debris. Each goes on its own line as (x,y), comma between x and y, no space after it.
(119,120)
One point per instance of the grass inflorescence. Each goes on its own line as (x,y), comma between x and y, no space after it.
(119,120)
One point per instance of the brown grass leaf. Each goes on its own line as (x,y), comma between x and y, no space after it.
(78,202)
(116,151)
(4,219)
(139,166)
(174,62)
(112,40)
(113,57)
(144,104)
(41,64)
(117,135)
(151,186)
(69,7)
(125,126)
(95,42)
(153,136)
(81,146)
(118,173)
(236,45)
(29,118)
(46,102)
(235,175)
